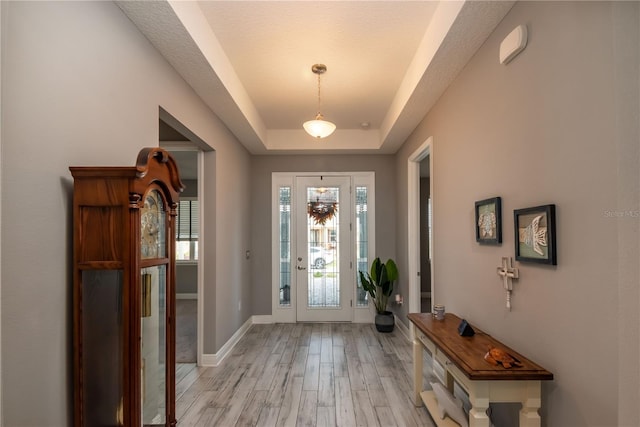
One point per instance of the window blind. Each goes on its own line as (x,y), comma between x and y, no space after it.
(187,221)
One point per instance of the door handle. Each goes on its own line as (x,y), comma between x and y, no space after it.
(301,267)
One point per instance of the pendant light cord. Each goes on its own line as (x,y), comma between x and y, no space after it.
(319,103)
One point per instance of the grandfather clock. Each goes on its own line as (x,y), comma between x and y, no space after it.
(124,292)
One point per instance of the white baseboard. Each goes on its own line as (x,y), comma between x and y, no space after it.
(264,319)
(186,296)
(208,360)
(227,348)
(403,329)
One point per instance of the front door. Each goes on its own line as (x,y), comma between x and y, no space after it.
(322,249)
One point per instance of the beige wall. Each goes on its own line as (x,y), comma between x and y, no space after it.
(261,169)
(558,125)
(82,86)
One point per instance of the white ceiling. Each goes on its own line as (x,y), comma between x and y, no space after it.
(388,62)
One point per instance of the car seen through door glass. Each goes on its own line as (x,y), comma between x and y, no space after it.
(319,257)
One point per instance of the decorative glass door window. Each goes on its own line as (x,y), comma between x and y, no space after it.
(323,221)
(362,243)
(284,247)
(322,249)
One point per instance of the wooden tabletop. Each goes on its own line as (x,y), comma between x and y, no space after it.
(467,353)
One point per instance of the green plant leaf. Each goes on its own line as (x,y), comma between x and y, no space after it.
(392,270)
(375,270)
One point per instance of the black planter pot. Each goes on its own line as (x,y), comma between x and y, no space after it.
(385,322)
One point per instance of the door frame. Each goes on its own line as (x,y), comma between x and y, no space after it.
(287,314)
(413,225)
(197,146)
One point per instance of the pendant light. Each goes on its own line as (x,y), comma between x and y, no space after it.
(319,128)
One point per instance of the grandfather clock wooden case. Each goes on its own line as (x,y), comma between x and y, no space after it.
(124,292)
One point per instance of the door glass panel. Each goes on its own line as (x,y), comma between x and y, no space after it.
(153,345)
(362,243)
(323,256)
(285,246)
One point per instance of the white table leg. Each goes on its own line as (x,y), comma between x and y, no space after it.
(479,399)
(529,416)
(417,371)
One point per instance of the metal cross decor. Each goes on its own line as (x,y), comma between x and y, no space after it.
(508,272)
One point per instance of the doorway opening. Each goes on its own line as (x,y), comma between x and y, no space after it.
(189,151)
(420,228)
(426,230)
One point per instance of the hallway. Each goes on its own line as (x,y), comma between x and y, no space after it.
(304,375)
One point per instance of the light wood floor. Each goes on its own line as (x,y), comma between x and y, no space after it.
(304,375)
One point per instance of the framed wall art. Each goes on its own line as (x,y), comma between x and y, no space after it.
(489,221)
(535,234)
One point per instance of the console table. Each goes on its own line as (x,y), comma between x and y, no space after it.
(463,362)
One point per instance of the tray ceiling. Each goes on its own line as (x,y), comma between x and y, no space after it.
(250,61)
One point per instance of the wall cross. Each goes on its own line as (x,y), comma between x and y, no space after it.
(508,272)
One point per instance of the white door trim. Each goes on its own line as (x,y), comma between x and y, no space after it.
(201,250)
(413,226)
(283,314)
(1,376)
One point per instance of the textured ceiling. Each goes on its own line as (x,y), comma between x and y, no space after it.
(250,61)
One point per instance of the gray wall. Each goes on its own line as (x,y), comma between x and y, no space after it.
(82,86)
(186,278)
(190,188)
(261,170)
(558,125)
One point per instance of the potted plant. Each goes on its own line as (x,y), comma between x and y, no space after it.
(379,284)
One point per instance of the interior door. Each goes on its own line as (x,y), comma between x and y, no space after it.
(322,250)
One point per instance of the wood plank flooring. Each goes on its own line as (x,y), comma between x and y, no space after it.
(320,374)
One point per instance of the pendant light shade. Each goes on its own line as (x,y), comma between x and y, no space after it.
(319,128)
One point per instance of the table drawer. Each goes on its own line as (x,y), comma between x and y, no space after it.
(456,373)
(442,358)
(429,345)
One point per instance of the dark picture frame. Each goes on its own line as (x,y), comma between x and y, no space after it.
(535,234)
(488,223)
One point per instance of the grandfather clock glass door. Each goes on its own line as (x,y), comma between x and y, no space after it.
(153,328)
